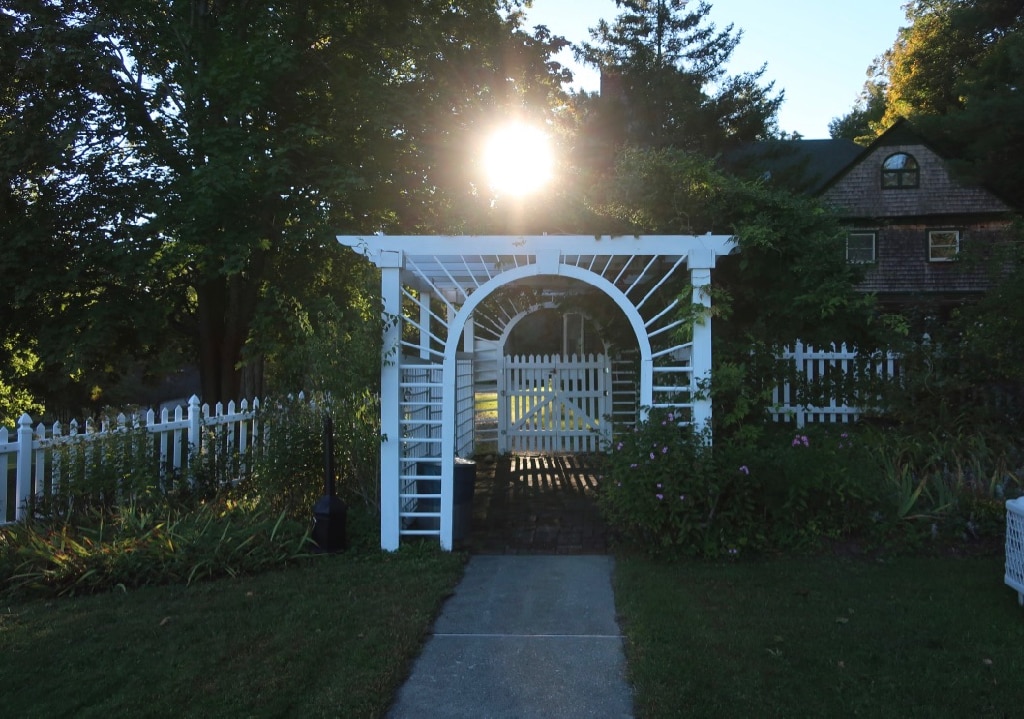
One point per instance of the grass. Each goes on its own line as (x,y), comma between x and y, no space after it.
(822,637)
(333,637)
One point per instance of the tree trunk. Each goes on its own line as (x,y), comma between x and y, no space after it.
(225,310)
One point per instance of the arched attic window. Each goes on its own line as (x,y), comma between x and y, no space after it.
(900,171)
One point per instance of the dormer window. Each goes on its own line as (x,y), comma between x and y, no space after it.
(900,171)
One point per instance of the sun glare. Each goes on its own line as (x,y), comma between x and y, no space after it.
(518,159)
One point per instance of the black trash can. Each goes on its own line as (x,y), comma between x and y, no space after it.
(465,487)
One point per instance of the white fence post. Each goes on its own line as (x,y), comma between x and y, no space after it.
(195,426)
(799,358)
(23,472)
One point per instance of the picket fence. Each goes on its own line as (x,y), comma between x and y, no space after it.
(30,456)
(832,371)
(30,460)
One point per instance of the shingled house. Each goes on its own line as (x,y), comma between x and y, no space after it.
(922,234)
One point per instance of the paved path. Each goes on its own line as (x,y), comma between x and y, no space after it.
(523,637)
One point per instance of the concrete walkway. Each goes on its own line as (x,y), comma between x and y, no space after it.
(523,637)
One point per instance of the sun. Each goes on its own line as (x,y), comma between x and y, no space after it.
(518,159)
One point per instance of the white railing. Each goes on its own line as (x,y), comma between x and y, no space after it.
(30,459)
(832,371)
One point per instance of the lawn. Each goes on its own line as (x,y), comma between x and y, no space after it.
(822,637)
(795,637)
(334,637)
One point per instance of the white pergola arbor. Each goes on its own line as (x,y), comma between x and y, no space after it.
(424,396)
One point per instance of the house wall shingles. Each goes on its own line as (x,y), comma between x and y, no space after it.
(902,264)
(902,217)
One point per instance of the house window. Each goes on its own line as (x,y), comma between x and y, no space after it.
(943,245)
(860,247)
(900,171)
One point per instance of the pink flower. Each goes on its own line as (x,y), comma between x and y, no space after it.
(664,450)
(660,497)
(744,469)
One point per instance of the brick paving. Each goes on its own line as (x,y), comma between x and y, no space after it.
(525,504)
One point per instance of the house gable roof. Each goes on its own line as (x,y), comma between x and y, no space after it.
(856,190)
(848,176)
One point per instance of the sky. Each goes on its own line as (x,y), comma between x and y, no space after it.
(817,51)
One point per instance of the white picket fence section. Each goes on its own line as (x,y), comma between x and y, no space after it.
(836,366)
(29,457)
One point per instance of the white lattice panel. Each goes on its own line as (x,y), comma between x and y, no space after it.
(1015,546)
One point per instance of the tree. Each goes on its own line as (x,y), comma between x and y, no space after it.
(210,150)
(955,72)
(665,83)
(80,267)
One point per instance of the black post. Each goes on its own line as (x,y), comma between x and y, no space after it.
(329,512)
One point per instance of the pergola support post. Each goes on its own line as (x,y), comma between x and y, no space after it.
(700,263)
(390,402)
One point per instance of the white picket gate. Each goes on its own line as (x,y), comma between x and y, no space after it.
(554,403)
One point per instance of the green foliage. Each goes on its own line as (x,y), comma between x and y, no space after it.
(172,175)
(953,70)
(668,491)
(97,471)
(138,545)
(108,515)
(663,488)
(17,365)
(773,488)
(864,121)
(289,472)
(789,279)
(948,484)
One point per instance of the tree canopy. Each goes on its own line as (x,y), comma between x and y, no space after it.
(175,170)
(665,84)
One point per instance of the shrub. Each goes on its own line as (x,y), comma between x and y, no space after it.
(134,546)
(663,490)
(668,490)
(288,474)
(94,471)
(944,485)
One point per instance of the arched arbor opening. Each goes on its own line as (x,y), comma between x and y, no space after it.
(435,291)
